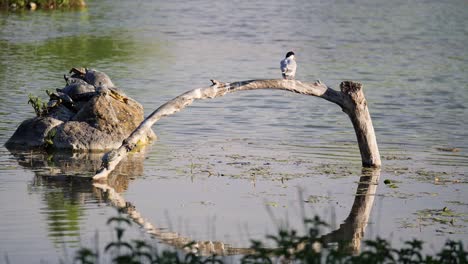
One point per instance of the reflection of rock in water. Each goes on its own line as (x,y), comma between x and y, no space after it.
(61,166)
(64,199)
(63,180)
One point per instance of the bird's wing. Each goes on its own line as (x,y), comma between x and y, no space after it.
(284,66)
(288,66)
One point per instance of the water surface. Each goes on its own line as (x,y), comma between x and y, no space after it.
(219,164)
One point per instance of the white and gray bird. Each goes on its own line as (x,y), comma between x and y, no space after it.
(288,66)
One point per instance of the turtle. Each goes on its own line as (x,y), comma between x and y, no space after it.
(78,73)
(92,76)
(118,95)
(70,80)
(113,92)
(60,97)
(53,103)
(79,91)
(97,78)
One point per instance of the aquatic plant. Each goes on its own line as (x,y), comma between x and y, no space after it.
(288,247)
(39,107)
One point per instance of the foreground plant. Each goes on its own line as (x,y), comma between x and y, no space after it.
(139,251)
(287,247)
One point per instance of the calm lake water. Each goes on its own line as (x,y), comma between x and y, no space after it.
(234,168)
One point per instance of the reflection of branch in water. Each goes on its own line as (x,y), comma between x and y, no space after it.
(170,238)
(55,170)
(351,232)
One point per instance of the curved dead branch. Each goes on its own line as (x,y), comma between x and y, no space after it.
(351,99)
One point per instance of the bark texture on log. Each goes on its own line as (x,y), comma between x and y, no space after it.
(355,106)
(351,99)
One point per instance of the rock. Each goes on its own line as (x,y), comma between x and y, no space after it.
(110,115)
(32,133)
(61,112)
(97,122)
(81,136)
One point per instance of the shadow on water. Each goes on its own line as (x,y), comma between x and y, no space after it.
(66,179)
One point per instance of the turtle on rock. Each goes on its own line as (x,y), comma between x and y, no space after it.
(99,81)
(113,92)
(58,98)
(93,77)
(79,91)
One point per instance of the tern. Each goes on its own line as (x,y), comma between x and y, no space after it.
(288,66)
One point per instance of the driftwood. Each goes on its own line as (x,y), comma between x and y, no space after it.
(351,99)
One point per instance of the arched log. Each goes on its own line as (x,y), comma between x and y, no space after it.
(351,99)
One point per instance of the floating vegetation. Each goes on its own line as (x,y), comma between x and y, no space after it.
(447,219)
(398,194)
(259,171)
(317,199)
(390,183)
(438,177)
(397,170)
(457,203)
(335,171)
(432,194)
(272,204)
(395,157)
(448,149)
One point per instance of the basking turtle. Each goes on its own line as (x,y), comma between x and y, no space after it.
(97,78)
(60,97)
(113,92)
(53,103)
(92,76)
(118,95)
(79,91)
(78,73)
(70,80)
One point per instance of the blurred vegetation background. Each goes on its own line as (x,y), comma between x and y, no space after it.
(43,4)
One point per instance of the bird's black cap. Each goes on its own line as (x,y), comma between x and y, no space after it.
(289,54)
